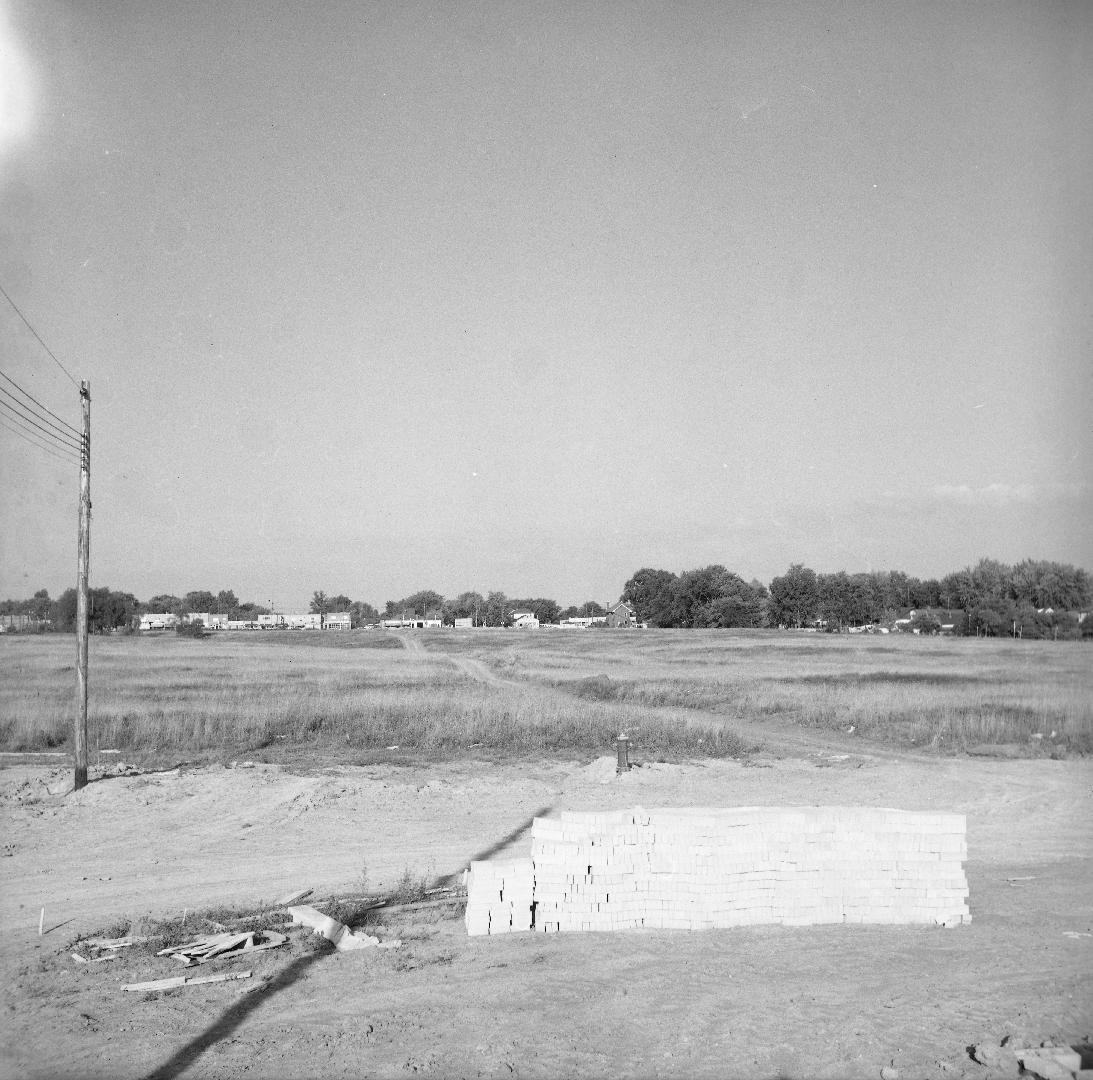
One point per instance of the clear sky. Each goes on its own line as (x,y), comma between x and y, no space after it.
(376,297)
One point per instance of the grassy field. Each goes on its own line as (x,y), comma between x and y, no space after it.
(676,693)
(946,693)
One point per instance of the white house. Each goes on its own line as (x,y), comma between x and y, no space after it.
(524,620)
(162,621)
(337,620)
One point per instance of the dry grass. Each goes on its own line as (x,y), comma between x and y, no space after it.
(945,693)
(676,693)
(254,691)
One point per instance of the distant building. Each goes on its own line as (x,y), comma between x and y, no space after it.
(621,614)
(463,624)
(524,620)
(309,621)
(161,621)
(337,620)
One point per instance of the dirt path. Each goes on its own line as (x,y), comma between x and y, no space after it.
(409,642)
(762,1001)
(479,672)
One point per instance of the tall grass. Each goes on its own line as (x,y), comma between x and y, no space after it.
(944,693)
(215,694)
(675,693)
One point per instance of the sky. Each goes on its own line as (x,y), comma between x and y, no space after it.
(379,297)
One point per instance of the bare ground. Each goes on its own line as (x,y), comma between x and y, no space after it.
(752,1002)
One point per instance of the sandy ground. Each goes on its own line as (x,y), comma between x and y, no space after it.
(751,1002)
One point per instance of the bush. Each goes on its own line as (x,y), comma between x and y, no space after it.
(194,629)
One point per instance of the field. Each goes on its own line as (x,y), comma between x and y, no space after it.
(675,693)
(231,770)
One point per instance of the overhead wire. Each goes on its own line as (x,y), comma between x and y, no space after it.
(61,455)
(72,445)
(29,411)
(64,423)
(40,341)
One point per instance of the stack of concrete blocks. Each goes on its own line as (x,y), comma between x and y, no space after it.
(705,868)
(500,897)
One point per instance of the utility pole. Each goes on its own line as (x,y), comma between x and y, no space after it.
(82,561)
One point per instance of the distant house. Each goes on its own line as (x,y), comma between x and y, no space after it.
(463,624)
(622,614)
(162,621)
(337,620)
(312,620)
(524,620)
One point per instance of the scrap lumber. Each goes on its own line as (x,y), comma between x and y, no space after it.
(294,897)
(94,959)
(183,980)
(223,946)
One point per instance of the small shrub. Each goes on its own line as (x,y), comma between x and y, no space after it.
(410,888)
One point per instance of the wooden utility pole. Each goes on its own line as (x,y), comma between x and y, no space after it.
(82,561)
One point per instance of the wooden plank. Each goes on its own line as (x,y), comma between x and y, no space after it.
(294,897)
(182,980)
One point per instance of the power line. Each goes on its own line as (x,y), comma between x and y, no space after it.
(60,455)
(25,415)
(78,451)
(40,341)
(29,419)
(75,431)
(29,410)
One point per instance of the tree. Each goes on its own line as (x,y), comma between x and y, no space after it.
(714,596)
(650,593)
(497,611)
(249,611)
(795,597)
(925,622)
(106,610)
(467,605)
(164,604)
(836,601)
(424,604)
(864,602)
(199,600)
(226,602)
(341,602)
(362,614)
(320,605)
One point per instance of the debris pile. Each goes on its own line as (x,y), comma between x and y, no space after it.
(696,869)
(223,946)
(1042,1061)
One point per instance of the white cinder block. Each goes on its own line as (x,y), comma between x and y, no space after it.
(710,867)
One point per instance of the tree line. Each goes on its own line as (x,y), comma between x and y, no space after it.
(492,609)
(1032,598)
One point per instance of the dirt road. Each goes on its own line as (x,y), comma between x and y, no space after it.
(764,1001)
